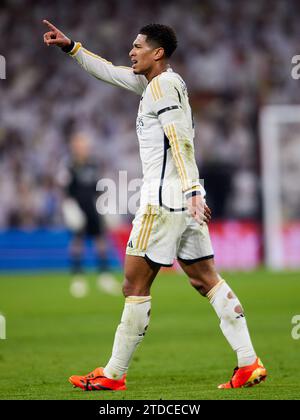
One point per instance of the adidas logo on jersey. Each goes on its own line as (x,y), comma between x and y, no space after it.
(130,245)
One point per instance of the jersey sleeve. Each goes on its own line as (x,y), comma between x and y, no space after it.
(167,105)
(102,69)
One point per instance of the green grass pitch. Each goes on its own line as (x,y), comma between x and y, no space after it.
(51,335)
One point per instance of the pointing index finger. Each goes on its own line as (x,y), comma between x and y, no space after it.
(51,26)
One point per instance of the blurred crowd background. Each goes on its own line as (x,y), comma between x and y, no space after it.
(235,57)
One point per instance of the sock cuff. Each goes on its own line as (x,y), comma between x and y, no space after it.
(137,299)
(211,294)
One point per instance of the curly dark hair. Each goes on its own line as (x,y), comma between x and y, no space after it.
(160,36)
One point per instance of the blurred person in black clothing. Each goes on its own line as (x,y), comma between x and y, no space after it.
(81,217)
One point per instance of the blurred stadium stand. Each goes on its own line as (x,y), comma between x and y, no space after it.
(234,55)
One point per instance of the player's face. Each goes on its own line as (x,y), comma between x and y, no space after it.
(142,55)
(80,147)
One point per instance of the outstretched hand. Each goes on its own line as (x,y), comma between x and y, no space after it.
(55,37)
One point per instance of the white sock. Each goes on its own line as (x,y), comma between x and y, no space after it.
(130,332)
(233,322)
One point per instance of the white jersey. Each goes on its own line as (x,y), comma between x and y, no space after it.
(164,128)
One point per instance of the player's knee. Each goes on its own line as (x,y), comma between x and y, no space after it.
(204,282)
(126,289)
(199,286)
(129,284)
(131,288)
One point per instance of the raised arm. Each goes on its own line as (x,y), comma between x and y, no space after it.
(120,76)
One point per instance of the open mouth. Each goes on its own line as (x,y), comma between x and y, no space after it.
(134,62)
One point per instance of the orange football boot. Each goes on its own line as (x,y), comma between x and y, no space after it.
(96,381)
(246,376)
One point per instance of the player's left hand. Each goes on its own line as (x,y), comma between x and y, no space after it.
(198,209)
(207,213)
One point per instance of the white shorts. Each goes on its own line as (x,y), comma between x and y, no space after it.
(160,236)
